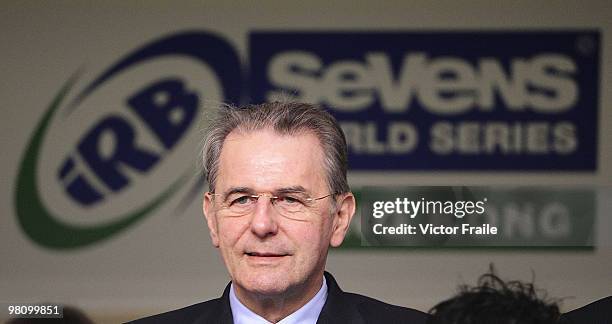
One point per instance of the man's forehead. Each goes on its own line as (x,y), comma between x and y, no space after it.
(268,136)
(267,157)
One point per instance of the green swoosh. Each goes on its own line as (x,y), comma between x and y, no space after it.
(40,224)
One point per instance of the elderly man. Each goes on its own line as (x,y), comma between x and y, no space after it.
(278,199)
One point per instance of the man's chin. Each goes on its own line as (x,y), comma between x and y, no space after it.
(269,286)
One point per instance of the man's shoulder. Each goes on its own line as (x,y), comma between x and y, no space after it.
(595,312)
(347,307)
(195,313)
(374,310)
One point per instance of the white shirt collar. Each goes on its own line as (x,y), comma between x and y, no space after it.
(307,314)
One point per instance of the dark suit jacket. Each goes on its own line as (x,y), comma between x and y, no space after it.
(598,312)
(340,307)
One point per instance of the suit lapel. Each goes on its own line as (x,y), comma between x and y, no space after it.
(336,308)
(222,314)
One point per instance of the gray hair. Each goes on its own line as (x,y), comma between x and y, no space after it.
(286,118)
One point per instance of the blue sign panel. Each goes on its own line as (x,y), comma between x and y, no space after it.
(503,100)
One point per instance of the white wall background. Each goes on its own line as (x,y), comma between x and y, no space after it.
(43,43)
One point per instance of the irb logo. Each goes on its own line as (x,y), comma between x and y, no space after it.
(119,146)
(166,107)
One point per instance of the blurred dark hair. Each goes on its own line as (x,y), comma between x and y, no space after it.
(494,301)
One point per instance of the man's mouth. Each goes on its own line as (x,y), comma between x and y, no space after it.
(266,254)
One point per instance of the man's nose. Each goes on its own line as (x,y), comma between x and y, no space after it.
(264,223)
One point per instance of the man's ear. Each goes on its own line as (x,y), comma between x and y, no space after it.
(342,218)
(211,218)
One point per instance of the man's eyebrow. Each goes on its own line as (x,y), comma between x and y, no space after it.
(292,189)
(250,191)
(234,190)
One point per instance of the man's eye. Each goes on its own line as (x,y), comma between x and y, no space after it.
(290,200)
(242,200)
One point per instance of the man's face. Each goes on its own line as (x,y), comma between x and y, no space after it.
(265,252)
